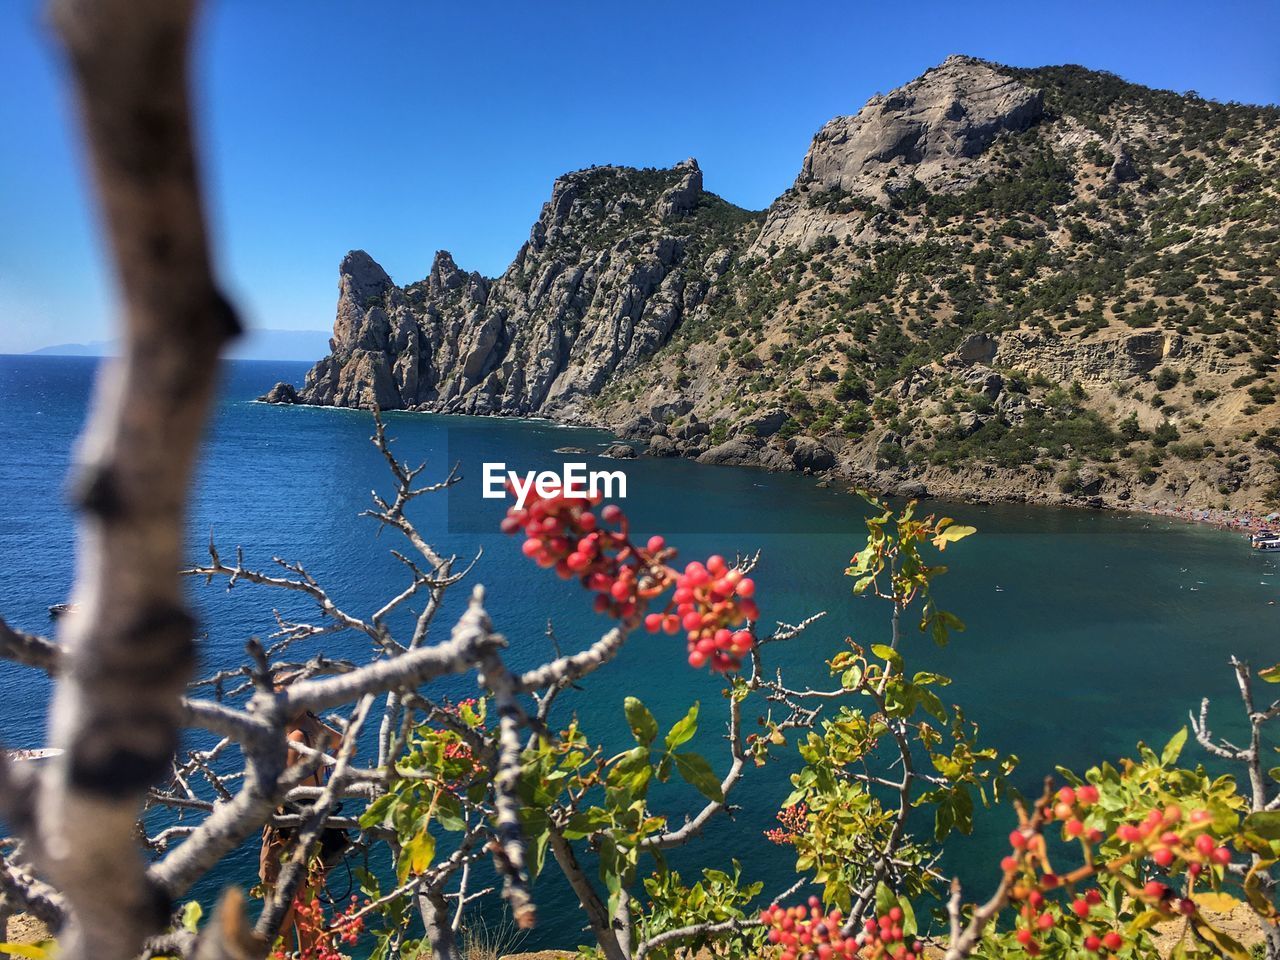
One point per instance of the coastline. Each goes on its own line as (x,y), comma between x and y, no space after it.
(892,483)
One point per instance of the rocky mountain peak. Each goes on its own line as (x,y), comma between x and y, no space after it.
(682,196)
(445,275)
(927,129)
(364,272)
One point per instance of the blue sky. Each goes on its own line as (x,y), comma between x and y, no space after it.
(406,127)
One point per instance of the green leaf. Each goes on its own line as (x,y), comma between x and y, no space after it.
(940,623)
(1265,824)
(1143,921)
(1222,944)
(684,729)
(449,812)
(952,534)
(1173,749)
(698,774)
(932,704)
(643,727)
(537,832)
(885,900)
(887,653)
(1270,674)
(32,951)
(417,854)
(630,775)
(586,822)
(376,812)
(191,914)
(909,925)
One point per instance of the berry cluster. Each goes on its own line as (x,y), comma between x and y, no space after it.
(564,533)
(711,599)
(347,925)
(807,933)
(1037,916)
(1168,839)
(794,820)
(318,939)
(711,602)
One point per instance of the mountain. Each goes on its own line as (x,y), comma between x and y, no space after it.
(94,348)
(255,345)
(993,282)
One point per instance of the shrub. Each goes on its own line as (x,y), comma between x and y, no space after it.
(1164,434)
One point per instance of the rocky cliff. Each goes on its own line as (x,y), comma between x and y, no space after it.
(1047,284)
(616,261)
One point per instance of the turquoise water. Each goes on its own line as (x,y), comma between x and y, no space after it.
(1086,631)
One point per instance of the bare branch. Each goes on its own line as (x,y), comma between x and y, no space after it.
(29,649)
(127,636)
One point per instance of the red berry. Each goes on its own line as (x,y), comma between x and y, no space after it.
(1112,940)
(1205,844)
(1129,833)
(655,544)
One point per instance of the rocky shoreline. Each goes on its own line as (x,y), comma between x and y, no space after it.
(976,485)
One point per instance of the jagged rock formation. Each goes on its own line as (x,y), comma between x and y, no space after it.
(1045,284)
(616,260)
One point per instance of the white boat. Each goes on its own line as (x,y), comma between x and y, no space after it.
(32,756)
(1265,540)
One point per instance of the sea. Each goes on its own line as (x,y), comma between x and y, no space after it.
(1086,631)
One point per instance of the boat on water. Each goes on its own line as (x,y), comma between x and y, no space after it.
(1265,540)
(32,756)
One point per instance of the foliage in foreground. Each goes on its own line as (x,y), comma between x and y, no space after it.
(885,770)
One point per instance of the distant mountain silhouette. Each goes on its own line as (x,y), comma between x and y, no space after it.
(257,345)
